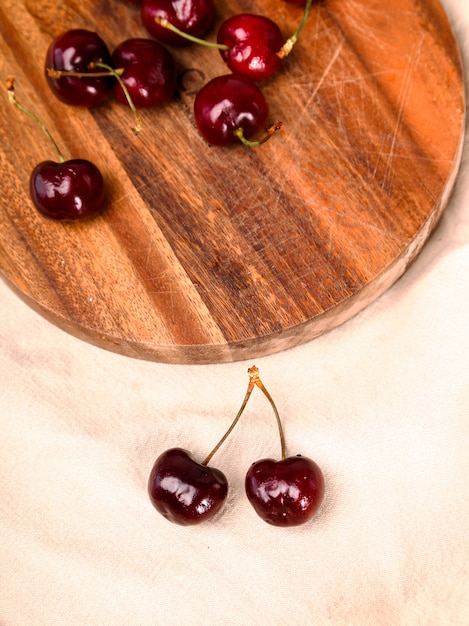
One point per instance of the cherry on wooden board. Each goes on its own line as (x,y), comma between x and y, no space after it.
(250,45)
(75,51)
(67,190)
(228,106)
(192,17)
(148,71)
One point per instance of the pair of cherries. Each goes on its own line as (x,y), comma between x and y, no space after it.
(230,107)
(81,71)
(285,492)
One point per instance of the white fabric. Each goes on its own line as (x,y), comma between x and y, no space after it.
(381,404)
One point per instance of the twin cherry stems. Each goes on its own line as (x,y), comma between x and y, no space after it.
(254,381)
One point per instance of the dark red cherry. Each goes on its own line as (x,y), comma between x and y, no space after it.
(184,491)
(253,42)
(149,72)
(194,17)
(227,104)
(286,492)
(74,51)
(67,191)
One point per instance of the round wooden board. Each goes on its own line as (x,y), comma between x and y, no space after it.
(208,254)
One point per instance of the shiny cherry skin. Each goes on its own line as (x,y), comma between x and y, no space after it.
(194,17)
(68,191)
(184,491)
(286,492)
(253,42)
(73,52)
(227,103)
(149,72)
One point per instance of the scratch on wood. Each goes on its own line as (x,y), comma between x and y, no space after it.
(327,69)
(403,101)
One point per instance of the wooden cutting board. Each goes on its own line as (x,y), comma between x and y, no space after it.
(208,254)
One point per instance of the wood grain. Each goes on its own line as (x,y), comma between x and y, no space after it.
(211,255)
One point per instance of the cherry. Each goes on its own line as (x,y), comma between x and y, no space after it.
(251,45)
(286,492)
(192,17)
(149,72)
(184,491)
(230,108)
(74,52)
(67,191)
(64,191)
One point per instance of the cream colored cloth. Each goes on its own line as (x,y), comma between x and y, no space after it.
(381,403)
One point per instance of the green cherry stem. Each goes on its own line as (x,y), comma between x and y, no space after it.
(117,73)
(10,83)
(239,133)
(291,41)
(254,381)
(162,21)
(107,71)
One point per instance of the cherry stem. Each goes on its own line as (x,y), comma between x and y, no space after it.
(233,424)
(162,21)
(254,381)
(239,132)
(108,71)
(254,376)
(53,73)
(117,73)
(12,98)
(291,41)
